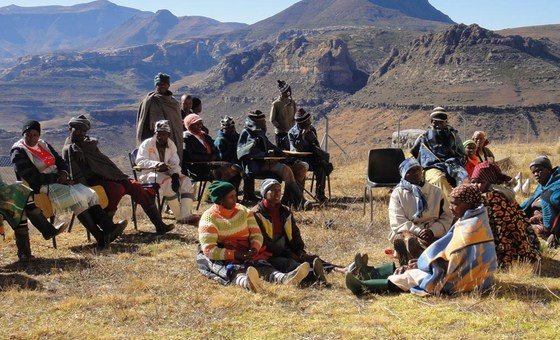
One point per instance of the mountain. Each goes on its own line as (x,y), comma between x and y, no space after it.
(551,32)
(408,14)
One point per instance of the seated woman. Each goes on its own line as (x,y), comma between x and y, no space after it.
(482,152)
(463,260)
(16,205)
(199,147)
(37,163)
(513,235)
(281,235)
(472,159)
(231,245)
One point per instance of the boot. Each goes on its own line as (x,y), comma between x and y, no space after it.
(21,234)
(319,271)
(186,216)
(296,196)
(249,190)
(155,218)
(110,230)
(88,222)
(297,275)
(372,286)
(48,231)
(111,213)
(175,207)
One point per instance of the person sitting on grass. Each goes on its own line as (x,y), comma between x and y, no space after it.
(418,213)
(544,206)
(231,248)
(482,152)
(463,260)
(472,159)
(281,235)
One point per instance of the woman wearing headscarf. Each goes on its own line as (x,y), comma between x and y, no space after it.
(482,152)
(38,164)
(463,260)
(231,248)
(514,238)
(199,147)
(472,158)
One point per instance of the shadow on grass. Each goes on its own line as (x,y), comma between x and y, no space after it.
(550,267)
(525,292)
(21,281)
(41,266)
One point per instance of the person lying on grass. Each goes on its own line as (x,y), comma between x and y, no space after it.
(231,248)
(463,260)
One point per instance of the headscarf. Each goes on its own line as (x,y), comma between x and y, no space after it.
(469,194)
(489,172)
(31,125)
(267,184)
(421,202)
(484,135)
(163,125)
(191,119)
(161,78)
(543,161)
(219,189)
(80,121)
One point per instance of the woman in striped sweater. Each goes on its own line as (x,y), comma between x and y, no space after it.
(231,245)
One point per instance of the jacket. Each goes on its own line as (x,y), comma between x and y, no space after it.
(148,157)
(550,198)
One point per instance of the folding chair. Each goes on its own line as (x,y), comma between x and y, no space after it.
(151,187)
(196,177)
(382,171)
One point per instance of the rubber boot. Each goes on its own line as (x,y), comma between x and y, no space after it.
(186,216)
(175,208)
(111,213)
(110,230)
(36,217)
(23,244)
(154,216)
(88,222)
(296,196)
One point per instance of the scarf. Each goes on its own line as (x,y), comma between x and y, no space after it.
(421,203)
(42,154)
(200,134)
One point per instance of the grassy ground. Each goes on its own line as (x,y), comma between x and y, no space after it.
(148,286)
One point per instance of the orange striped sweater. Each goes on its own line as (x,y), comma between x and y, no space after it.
(221,232)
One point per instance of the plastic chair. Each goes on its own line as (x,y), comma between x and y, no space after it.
(382,171)
(152,187)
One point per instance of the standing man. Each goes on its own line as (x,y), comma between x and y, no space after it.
(160,105)
(282,115)
(186,105)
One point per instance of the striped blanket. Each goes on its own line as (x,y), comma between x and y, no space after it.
(13,198)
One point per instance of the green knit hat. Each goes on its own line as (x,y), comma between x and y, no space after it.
(219,189)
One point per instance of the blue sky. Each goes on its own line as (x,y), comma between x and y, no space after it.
(492,14)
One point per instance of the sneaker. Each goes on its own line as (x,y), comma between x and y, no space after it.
(319,271)
(256,284)
(297,275)
(354,284)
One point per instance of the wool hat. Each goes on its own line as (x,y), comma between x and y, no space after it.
(468,142)
(283,86)
(161,78)
(31,125)
(301,116)
(267,184)
(190,119)
(163,125)
(439,114)
(219,189)
(489,172)
(542,161)
(80,121)
(256,115)
(408,164)
(227,121)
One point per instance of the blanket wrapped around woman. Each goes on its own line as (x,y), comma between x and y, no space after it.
(461,261)
(13,198)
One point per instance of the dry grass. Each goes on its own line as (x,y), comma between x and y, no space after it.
(149,286)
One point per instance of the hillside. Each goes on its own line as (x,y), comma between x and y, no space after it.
(551,32)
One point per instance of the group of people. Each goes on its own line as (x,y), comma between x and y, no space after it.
(453,218)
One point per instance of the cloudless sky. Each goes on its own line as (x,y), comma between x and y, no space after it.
(492,14)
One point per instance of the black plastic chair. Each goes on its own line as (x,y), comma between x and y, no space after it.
(382,171)
(148,186)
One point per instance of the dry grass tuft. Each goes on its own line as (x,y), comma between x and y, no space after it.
(148,286)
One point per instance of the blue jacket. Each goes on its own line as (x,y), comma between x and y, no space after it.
(550,195)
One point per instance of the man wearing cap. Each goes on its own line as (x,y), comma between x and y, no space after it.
(282,115)
(544,206)
(252,149)
(440,152)
(303,138)
(159,159)
(160,105)
(226,140)
(89,166)
(418,213)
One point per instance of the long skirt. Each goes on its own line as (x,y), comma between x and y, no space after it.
(76,198)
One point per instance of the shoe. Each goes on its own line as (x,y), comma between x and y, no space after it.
(164,228)
(297,275)
(256,284)
(354,284)
(319,271)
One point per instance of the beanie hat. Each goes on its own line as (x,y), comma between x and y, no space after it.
(227,121)
(543,161)
(31,125)
(161,78)
(267,184)
(301,116)
(219,189)
(283,86)
(439,114)
(256,115)
(163,125)
(80,121)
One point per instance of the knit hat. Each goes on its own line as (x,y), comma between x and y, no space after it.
(467,193)
(190,119)
(301,116)
(283,86)
(542,161)
(408,164)
(80,121)
(468,142)
(439,114)
(161,78)
(219,189)
(227,121)
(31,125)
(163,125)
(267,184)
(489,172)
(256,115)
